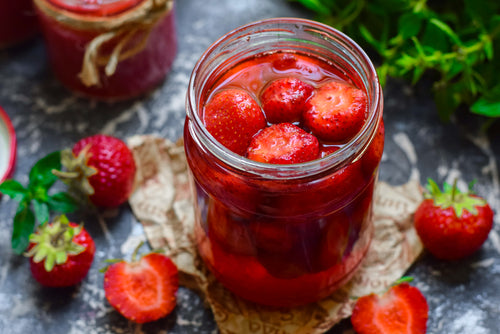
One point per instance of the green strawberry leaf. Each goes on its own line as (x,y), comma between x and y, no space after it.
(41,174)
(24,224)
(62,202)
(13,189)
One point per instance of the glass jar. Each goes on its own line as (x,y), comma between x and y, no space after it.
(18,22)
(283,235)
(111,49)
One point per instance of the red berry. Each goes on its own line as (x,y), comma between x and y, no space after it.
(336,112)
(61,254)
(144,290)
(233,117)
(403,309)
(114,169)
(452,224)
(373,154)
(283,143)
(229,229)
(284,61)
(284,100)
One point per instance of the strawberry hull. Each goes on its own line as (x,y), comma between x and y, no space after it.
(291,232)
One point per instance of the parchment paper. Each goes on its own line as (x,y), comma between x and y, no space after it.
(162,202)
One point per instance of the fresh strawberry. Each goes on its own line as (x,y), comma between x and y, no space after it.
(403,309)
(283,143)
(373,154)
(143,290)
(61,253)
(101,167)
(233,117)
(336,112)
(452,224)
(284,100)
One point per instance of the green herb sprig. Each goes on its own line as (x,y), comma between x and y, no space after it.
(457,40)
(35,201)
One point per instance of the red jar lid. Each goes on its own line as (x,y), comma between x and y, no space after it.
(8,146)
(95,7)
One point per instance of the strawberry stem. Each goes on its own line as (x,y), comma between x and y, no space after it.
(454,190)
(136,251)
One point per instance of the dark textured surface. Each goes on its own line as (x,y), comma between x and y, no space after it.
(463,296)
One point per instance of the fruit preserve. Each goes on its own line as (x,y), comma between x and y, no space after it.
(18,22)
(109,49)
(283,137)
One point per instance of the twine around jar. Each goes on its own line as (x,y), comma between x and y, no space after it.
(122,27)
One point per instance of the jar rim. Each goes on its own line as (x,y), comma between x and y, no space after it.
(337,159)
(103,8)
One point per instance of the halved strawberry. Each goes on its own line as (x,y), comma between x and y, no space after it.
(144,290)
(336,112)
(233,117)
(403,309)
(283,143)
(284,100)
(61,253)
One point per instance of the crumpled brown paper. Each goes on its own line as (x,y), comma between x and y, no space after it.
(162,202)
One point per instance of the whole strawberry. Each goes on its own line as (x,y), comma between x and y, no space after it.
(403,309)
(452,224)
(61,253)
(336,112)
(143,290)
(101,167)
(232,116)
(283,143)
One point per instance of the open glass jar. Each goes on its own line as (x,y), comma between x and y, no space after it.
(111,49)
(18,22)
(283,235)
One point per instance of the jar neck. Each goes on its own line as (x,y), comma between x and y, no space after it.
(285,35)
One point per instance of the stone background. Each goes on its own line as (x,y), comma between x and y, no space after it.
(463,296)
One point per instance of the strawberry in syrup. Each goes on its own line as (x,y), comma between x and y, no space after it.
(336,112)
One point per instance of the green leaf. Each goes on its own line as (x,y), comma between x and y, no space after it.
(447,30)
(13,189)
(316,6)
(409,25)
(486,107)
(41,209)
(24,224)
(41,173)
(62,202)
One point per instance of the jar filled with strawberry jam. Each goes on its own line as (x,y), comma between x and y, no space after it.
(109,49)
(18,22)
(283,136)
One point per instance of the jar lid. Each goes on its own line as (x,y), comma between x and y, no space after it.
(95,7)
(7,146)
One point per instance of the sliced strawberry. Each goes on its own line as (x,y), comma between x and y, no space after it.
(283,143)
(373,154)
(284,100)
(144,290)
(233,117)
(336,112)
(402,310)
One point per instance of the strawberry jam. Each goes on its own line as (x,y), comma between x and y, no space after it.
(109,49)
(287,220)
